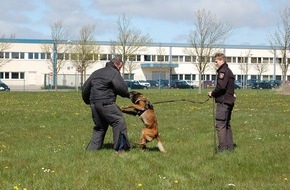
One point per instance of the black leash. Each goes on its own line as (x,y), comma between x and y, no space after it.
(181,100)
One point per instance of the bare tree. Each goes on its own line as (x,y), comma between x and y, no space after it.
(4,45)
(59,36)
(160,57)
(204,39)
(129,40)
(260,68)
(244,66)
(85,52)
(130,67)
(280,41)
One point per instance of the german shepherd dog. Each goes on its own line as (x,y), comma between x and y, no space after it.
(144,109)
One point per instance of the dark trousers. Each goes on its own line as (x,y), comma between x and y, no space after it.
(105,114)
(223,126)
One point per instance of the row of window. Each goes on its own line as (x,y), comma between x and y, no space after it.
(149,58)
(12,75)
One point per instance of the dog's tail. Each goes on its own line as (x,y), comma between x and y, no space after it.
(160,145)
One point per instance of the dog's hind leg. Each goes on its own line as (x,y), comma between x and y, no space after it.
(160,145)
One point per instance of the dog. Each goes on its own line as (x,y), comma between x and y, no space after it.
(144,109)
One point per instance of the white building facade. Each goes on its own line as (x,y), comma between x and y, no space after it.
(26,65)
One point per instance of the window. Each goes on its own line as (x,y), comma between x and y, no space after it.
(36,56)
(147,57)
(138,57)
(174,77)
(1,55)
(160,57)
(234,59)
(22,75)
(30,55)
(48,56)
(174,58)
(42,55)
(229,59)
(14,75)
(254,59)
(265,60)
(187,77)
(166,58)
(21,55)
(132,58)
(95,56)
(193,77)
(60,56)
(187,59)
(4,75)
(180,76)
(6,55)
(103,57)
(15,55)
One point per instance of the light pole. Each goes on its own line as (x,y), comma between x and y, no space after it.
(54,65)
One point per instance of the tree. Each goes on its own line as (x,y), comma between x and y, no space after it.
(160,57)
(59,48)
(207,34)
(85,52)
(280,41)
(244,66)
(4,45)
(129,40)
(260,68)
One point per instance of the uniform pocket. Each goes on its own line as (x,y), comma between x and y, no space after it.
(221,112)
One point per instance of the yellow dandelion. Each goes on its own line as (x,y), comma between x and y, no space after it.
(176,181)
(6,167)
(286,179)
(15,187)
(140,185)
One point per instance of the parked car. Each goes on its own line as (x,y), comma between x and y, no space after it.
(262,85)
(153,83)
(208,83)
(180,84)
(237,86)
(145,83)
(135,85)
(164,83)
(4,87)
(191,83)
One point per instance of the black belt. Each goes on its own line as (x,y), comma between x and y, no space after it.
(107,103)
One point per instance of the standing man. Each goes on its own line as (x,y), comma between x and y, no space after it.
(100,91)
(224,95)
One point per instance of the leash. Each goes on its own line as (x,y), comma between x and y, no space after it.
(214,130)
(181,100)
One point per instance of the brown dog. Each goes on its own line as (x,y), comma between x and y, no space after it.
(143,108)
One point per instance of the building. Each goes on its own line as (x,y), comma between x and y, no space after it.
(26,64)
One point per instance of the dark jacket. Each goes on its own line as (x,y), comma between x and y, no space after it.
(104,85)
(225,87)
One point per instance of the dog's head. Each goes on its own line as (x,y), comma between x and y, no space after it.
(135,96)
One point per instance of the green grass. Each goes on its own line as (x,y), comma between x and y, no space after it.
(43,136)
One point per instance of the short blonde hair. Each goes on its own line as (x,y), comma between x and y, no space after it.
(220,56)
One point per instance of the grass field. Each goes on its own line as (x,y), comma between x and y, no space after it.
(43,136)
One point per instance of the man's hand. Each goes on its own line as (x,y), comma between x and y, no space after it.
(209,94)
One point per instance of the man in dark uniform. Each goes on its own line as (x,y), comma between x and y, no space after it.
(224,95)
(100,91)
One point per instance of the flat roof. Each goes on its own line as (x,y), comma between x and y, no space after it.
(19,40)
(159,65)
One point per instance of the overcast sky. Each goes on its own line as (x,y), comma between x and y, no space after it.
(166,21)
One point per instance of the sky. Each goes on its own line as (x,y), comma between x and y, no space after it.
(166,21)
